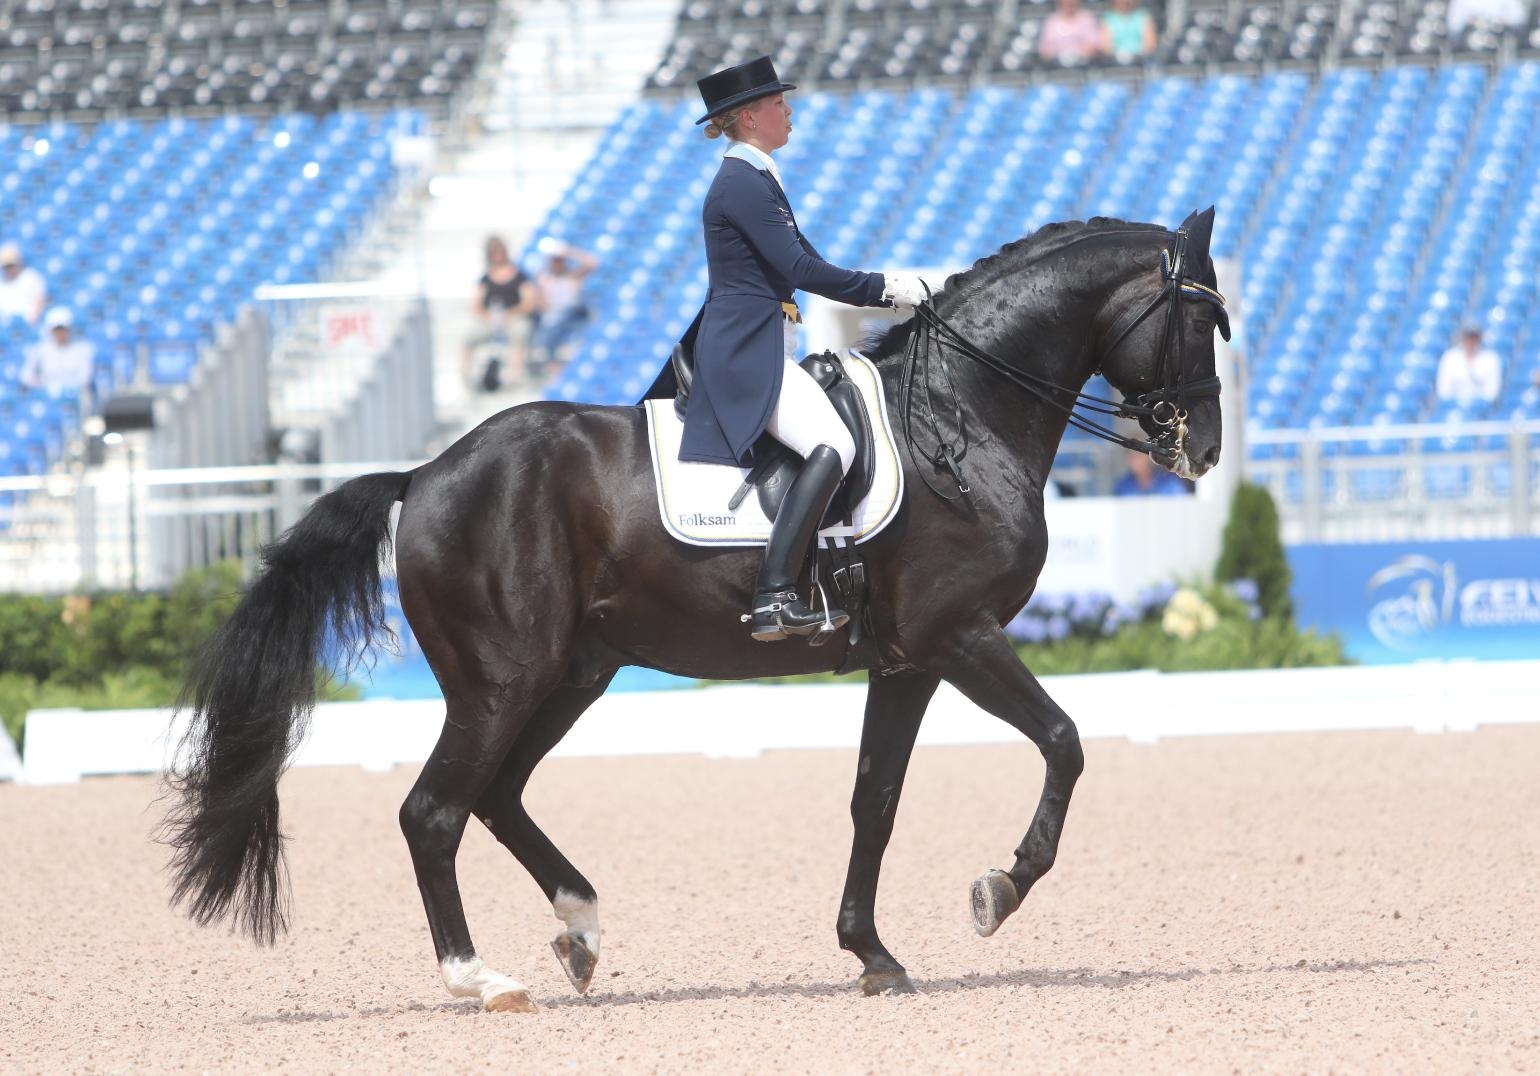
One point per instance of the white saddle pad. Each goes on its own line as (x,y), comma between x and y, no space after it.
(693,497)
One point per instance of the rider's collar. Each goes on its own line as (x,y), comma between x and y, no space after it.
(757,157)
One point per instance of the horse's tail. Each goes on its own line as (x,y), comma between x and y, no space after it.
(251,690)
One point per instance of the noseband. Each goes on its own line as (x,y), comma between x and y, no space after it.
(1165,405)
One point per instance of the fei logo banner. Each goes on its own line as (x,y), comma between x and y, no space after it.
(1403,601)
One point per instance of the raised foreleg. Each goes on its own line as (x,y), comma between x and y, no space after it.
(895,706)
(988,671)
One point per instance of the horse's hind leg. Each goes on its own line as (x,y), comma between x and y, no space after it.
(477,735)
(501,810)
(990,673)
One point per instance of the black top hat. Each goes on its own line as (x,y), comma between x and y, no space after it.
(739,85)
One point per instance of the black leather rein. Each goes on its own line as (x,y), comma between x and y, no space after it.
(1165,405)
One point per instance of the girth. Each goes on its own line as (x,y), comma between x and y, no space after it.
(776,466)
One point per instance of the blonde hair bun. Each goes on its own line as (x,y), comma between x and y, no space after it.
(724,122)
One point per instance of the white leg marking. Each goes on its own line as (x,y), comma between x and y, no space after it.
(581,916)
(473,979)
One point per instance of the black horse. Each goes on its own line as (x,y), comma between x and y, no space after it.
(532,565)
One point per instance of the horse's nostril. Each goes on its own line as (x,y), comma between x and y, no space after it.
(1210,456)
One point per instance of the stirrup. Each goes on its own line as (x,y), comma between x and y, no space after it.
(833,619)
(769,625)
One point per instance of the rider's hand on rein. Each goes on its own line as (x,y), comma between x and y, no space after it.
(903,290)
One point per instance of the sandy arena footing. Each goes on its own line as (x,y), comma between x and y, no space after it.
(1309,902)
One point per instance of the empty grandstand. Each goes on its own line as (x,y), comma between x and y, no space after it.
(1374,166)
(145,57)
(153,233)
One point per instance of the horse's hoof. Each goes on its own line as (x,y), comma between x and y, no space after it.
(510,1001)
(992,899)
(577,960)
(886,982)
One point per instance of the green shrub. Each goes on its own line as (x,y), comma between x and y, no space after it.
(112,630)
(115,649)
(1252,549)
(198,604)
(18,694)
(32,635)
(1270,643)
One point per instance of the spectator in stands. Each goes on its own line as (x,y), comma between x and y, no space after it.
(1071,35)
(22,291)
(505,298)
(1145,479)
(1128,32)
(1469,373)
(746,379)
(58,360)
(560,311)
(1489,14)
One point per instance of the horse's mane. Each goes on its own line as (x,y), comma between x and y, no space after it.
(1019,253)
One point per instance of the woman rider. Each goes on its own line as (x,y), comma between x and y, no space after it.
(746,379)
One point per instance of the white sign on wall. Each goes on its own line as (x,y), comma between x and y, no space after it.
(1120,545)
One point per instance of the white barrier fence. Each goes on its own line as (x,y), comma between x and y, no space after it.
(745,720)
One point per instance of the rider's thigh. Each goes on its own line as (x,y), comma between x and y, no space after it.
(804,418)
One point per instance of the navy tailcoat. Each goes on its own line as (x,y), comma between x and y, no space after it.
(756,257)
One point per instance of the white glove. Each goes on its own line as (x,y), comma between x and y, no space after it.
(902,290)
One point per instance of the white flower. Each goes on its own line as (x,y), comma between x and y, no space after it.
(1187,614)
(1178,624)
(1186,601)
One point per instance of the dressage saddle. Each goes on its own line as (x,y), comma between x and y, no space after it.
(775,465)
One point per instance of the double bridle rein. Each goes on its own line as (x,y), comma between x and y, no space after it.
(1165,405)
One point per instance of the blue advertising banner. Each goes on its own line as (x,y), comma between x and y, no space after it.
(1404,601)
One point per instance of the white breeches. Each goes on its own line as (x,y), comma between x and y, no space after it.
(804,418)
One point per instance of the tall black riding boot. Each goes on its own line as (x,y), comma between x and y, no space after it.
(778,611)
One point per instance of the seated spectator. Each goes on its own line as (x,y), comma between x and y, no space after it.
(561,312)
(58,360)
(22,291)
(1146,479)
(1469,373)
(1492,14)
(1071,36)
(1128,32)
(505,297)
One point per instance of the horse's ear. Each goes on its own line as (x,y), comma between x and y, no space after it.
(1200,229)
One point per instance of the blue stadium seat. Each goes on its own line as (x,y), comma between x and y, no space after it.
(1335,198)
(170,217)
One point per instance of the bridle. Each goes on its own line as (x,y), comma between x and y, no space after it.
(1165,405)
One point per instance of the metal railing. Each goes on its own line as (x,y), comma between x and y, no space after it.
(118,525)
(1423,481)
